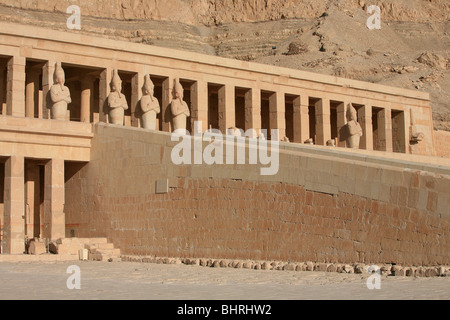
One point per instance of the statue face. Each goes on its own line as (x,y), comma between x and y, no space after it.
(117,87)
(60,79)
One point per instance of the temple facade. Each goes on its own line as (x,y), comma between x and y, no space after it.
(42,148)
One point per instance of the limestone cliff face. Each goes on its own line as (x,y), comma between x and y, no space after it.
(324,36)
(210,12)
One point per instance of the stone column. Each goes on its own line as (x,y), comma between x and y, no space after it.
(166,115)
(31,198)
(15,100)
(54,217)
(199,100)
(104,90)
(323,128)
(341,122)
(2,95)
(253,109)
(31,92)
(137,82)
(47,82)
(227,116)
(365,120)
(301,119)
(87,89)
(277,109)
(385,130)
(13,223)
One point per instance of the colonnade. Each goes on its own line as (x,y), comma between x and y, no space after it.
(297,114)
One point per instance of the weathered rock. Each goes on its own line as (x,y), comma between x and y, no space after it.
(37,248)
(290,267)
(195,262)
(224,263)
(332,268)
(266,266)
(361,268)
(386,270)
(321,267)
(348,269)
(53,247)
(309,266)
(409,272)
(420,272)
(431,272)
(398,271)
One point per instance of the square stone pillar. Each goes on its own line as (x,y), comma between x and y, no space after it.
(277,109)
(2,95)
(301,118)
(15,88)
(54,217)
(384,130)
(341,122)
(323,127)
(87,90)
(137,82)
(253,109)
(32,92)
(166,99)
(104,90)
(365,121)
(13,223)
(199,101)
(32,192)
(227,116)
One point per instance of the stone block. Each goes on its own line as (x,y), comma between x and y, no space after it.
(162,186)
(37,248)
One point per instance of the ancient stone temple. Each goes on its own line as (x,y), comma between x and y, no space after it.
(382,196)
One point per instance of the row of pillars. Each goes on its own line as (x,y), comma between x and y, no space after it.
(311,117)
(20,182)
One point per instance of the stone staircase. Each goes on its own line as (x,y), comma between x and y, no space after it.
(98,249)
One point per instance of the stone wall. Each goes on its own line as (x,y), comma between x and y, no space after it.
(324,207)
(441,143)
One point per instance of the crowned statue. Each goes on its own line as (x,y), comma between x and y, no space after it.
(149,105)
(117,102)
(59,94)
(355,131)
(179,108)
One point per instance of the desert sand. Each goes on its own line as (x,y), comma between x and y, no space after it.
(131,280)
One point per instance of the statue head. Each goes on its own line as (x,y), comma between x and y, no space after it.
(149,87)
(178,90)
(351,113)
(116,82)
(59,75)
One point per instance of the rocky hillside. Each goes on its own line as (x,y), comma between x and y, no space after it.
(412,49)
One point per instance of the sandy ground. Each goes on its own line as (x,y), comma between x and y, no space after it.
(131,280)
